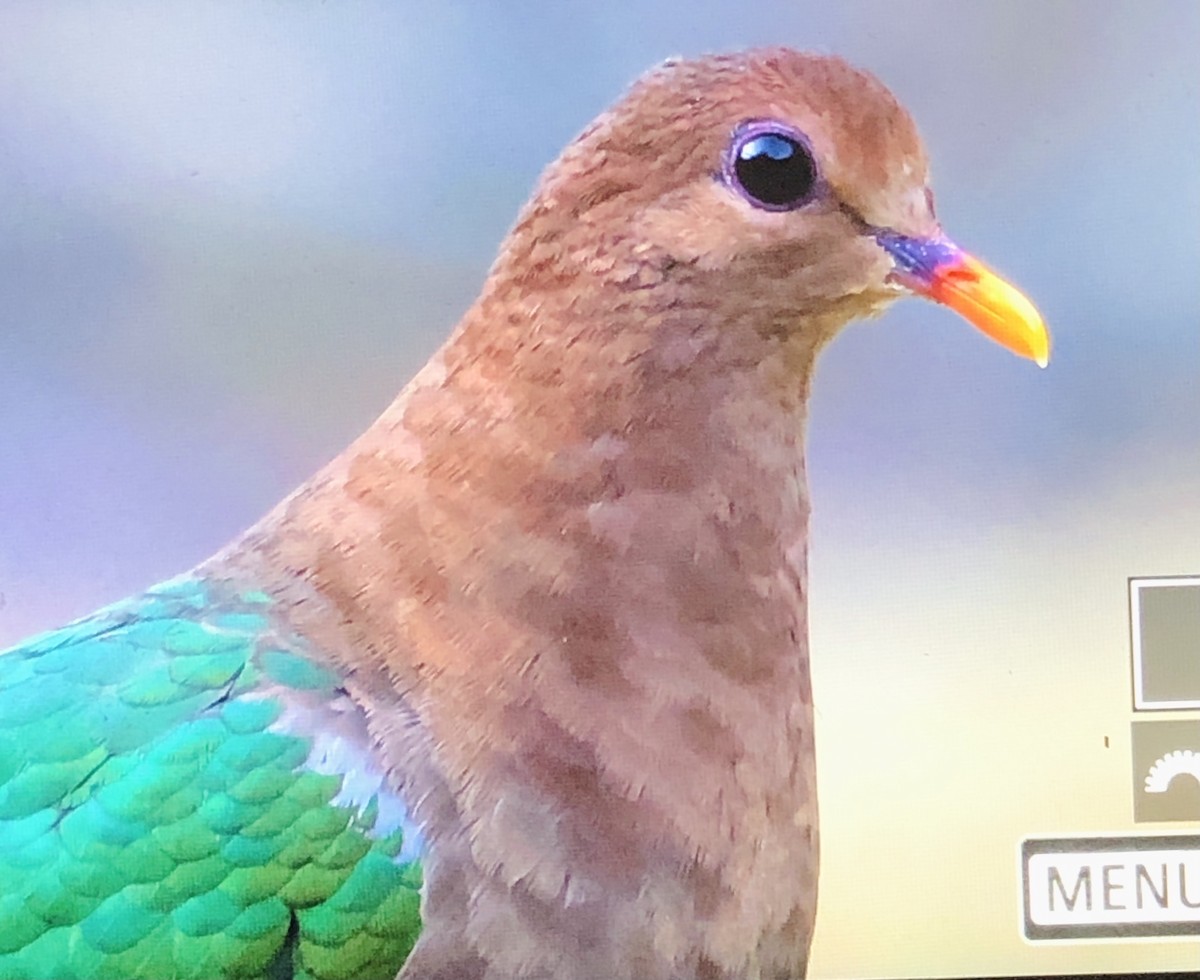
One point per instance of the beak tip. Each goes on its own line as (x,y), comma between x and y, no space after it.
(939,270)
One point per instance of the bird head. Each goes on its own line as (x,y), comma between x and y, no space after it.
(782,190)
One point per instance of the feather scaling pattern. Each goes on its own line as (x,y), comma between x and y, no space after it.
(155,822)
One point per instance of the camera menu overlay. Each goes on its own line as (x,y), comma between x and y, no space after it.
(1135,884)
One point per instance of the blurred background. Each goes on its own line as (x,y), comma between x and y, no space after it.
(229,233)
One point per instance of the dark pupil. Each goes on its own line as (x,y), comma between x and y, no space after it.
(774,169)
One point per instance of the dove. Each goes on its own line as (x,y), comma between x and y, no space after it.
(516,686)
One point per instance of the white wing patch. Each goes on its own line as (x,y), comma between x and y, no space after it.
(342,746)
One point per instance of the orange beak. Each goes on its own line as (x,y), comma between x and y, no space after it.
(940,270)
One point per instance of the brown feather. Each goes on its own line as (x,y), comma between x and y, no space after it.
(564,572)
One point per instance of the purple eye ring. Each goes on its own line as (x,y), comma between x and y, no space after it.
(771,164)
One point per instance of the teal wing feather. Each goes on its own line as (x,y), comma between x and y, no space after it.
(159,818)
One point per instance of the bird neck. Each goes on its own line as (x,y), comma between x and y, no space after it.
(547,436)
(577,551)
(567,422)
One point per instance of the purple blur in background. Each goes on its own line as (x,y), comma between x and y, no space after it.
(229,234)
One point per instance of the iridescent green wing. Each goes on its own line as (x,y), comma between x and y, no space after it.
(169,806)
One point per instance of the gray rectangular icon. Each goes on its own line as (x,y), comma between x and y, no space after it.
(1166,770)
(1164,616)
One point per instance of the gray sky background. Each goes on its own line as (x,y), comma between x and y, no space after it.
(230,232)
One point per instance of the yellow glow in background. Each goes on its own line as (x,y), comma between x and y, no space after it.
(229,233)
(965,687)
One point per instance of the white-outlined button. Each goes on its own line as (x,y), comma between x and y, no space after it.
(1164,619)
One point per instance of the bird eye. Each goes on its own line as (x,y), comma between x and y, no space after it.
(771,166)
